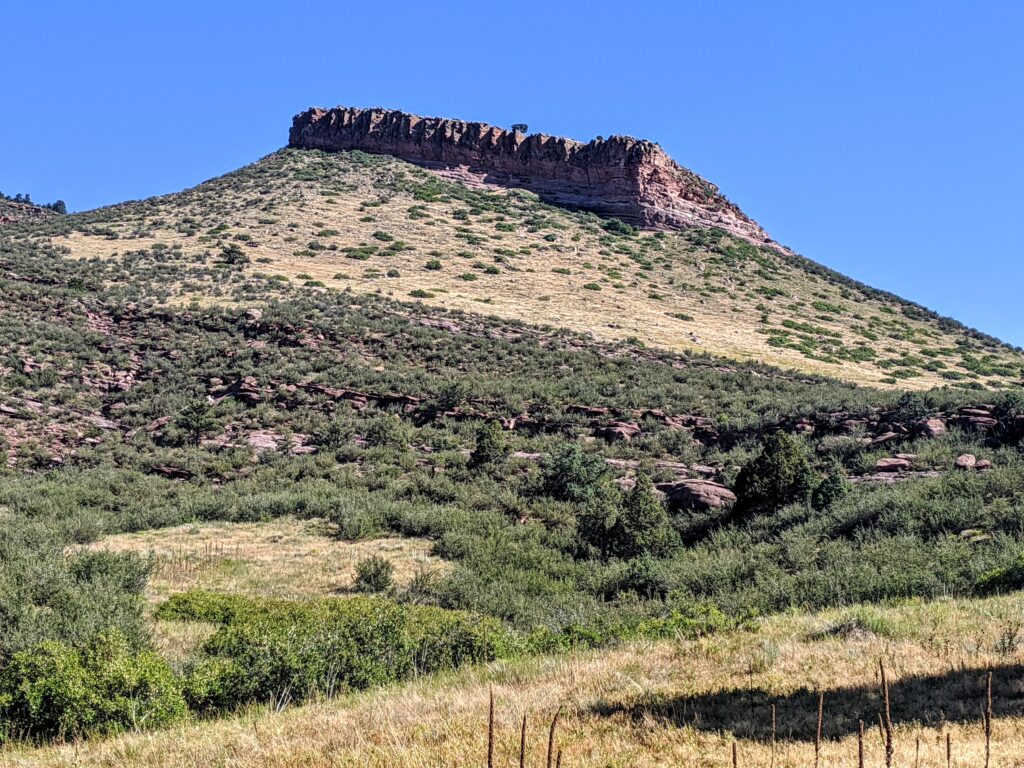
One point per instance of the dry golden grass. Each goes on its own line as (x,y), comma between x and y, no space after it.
(646,704)
(281,558)
(283,215)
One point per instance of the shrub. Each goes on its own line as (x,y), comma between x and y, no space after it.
(374,574)
(833,487)
(1007,578)
(641,527)
(780,475)
(268,649)
(491,447)
(55,691)
(433,265)
(387,431)
(571,474)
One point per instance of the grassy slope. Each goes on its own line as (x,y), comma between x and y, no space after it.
(650,704)
(350,220)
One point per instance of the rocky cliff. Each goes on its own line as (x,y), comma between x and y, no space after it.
(626,178)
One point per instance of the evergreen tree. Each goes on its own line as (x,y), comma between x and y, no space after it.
(781,475)
(490,445)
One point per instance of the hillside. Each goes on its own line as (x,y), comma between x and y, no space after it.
(375,224)
(335,435)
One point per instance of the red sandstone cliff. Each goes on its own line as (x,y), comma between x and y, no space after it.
(630,179)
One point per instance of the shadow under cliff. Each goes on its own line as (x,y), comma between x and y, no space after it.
(956,696)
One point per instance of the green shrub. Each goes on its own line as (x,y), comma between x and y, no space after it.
(1008,578)
(832,488)
(569,473)
(54,691)
(374,574)
(273,649)
(491,446)
(779,476)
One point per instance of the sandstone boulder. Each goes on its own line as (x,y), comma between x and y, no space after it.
(892,465)
(932,427)
(965,462)
(697,494)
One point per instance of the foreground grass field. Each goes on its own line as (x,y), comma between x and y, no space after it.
(653,704)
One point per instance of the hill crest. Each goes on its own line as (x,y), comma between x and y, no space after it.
(622,177)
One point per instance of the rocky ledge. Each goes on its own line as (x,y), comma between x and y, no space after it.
(621,177)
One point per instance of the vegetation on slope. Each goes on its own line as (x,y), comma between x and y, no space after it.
(375,224)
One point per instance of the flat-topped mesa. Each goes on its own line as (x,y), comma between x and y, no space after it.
(622,177)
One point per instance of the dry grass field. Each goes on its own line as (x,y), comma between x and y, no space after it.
(282,558)
(375,224)
(654,704)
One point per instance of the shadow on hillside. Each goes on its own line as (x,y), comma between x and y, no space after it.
(958,696)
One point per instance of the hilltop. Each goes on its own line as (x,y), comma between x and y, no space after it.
(373,223)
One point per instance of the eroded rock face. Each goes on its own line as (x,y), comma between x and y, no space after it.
(626,178)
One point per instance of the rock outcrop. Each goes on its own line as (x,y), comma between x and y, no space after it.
(621,177)
(11,212)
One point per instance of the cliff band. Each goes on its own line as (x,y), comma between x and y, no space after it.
(622,177)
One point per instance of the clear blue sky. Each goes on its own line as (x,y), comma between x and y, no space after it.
(884,139)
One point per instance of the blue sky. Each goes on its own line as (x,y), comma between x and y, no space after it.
(884,139)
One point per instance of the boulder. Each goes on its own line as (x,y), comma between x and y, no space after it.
(932,427)
(697,494)
(618,431)
(982,465)
(965,462)
(892,465)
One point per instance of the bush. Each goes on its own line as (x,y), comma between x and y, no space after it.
(374,574)
(387,431)
(833,488)
(781,475)
(266,649)
(640,527)
(1008,578)
(491,447)
(571,474)
(54,691)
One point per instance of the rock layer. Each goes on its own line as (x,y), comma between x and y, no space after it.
(622,177)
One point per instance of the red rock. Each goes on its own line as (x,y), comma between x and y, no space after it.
(982,465)
(965,462)
(618,430)
(885,437)
(984,412)
(627,178)
(932,427)
(697,494)
(892,465)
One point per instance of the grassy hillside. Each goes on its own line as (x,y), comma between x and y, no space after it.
(222,487)
(653,704)
(376,224)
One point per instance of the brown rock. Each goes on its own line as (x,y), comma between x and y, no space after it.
(883,438)
(892,465)
(965,462)
(697,494)
(618,431)
(932,427)
(982,464)
(627,178)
